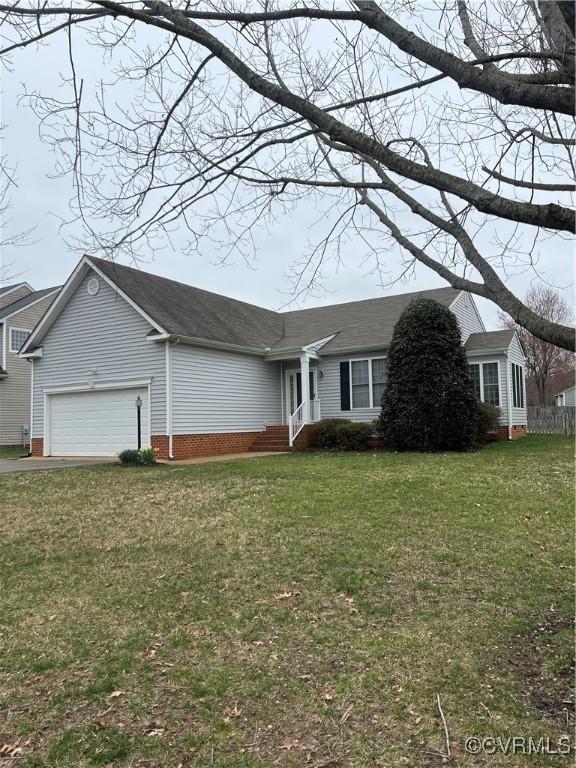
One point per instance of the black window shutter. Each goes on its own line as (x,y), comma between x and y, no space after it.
(345,386)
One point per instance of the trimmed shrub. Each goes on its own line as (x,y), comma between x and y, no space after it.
(324,433)
(429,402)
(353,436)
(487,428)
(147,456)
(341,435)
(142,457)
(129,456)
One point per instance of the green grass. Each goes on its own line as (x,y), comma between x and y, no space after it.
(13,453)
(299,610)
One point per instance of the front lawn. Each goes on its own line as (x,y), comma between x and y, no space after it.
(299,610)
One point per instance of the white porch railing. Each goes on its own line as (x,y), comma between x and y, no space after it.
(298,421)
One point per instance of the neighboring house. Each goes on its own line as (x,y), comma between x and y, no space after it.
(20,309)
(566,397)
(216,375)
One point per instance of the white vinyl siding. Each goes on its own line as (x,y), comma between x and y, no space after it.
(467,315)
(98,339)
(215,391)
(516,356)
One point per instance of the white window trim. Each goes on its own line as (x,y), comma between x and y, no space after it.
(521,390)
(370,387)
(481,364)
(22,330)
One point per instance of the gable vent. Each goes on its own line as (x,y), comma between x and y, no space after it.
(93,286)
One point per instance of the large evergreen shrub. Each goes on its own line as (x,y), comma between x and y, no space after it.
(429,402)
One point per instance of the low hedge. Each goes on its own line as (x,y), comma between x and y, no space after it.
(340,435)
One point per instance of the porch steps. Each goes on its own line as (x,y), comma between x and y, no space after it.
(274,438)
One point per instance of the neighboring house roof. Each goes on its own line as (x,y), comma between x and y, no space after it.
(181,309)
(563,391)
(20,304)
(490,341)
(7,288)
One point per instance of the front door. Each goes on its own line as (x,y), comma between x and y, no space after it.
(294,389)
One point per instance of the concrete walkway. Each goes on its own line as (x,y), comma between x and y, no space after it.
(8,466)
(224,457)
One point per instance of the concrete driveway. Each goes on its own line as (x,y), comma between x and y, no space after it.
(32,465)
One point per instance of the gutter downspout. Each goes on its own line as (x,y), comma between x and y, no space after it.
(508,397)
(31,430)
(169,398)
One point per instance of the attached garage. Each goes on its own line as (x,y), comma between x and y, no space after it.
(95,422)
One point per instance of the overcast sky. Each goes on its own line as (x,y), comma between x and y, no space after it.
(41,201)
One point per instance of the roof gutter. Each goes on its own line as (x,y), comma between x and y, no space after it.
(484,352)
(198,342)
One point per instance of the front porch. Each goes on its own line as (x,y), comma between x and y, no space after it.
(300,399)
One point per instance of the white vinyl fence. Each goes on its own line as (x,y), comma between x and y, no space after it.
(551,420)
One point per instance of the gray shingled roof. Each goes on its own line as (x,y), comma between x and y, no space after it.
(358,324)
(187,311)
(183,310)
(6,288)
(16,306)
(489,340)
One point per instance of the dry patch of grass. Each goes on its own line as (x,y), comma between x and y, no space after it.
(293,610)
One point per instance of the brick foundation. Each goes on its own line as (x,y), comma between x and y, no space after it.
(160,445)
(303,438)
(196,446)
(518,430)
(37,448)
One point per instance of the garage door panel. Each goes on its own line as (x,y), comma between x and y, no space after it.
(96,423)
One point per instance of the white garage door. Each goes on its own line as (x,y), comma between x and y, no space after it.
(96,423)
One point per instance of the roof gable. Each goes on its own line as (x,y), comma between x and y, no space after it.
(11,293)
(194,313)
(9,288)
(26,301)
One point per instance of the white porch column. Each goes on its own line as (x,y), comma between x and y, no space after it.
(305,374)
